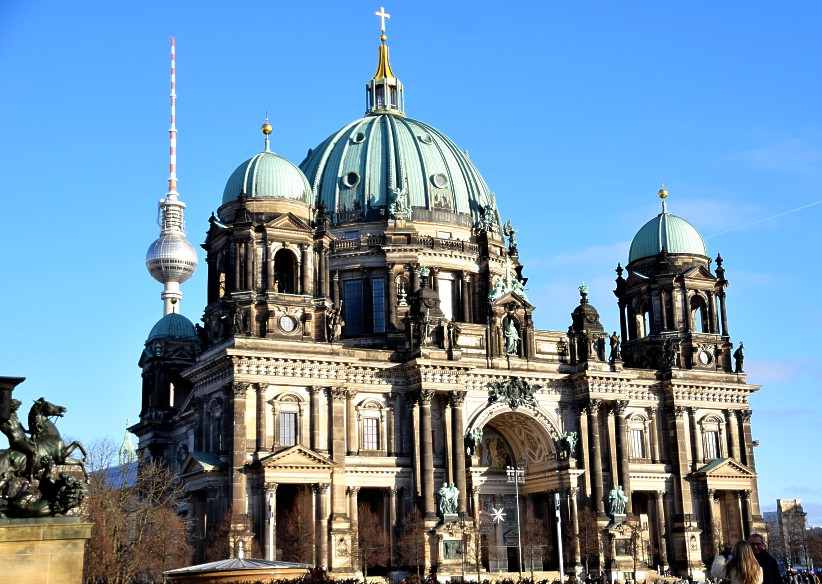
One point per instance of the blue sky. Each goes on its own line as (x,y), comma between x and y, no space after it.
(574,113)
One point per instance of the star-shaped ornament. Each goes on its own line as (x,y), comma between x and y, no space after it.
(498,515)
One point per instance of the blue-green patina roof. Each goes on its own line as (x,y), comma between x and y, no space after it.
(267,175)
(368,157)
(668,232)
(172,326)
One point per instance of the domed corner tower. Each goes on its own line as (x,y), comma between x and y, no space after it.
(672,307)
(400,197)
(264,254)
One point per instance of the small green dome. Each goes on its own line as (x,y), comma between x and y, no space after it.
(364,162)
(267,175)
(173,326)
(668,232)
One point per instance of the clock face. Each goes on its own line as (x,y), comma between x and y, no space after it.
(704,357)
(287,324)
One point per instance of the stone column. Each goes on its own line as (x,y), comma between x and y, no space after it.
(722,313)
(262,418)
(427,453)
(584,449)
(307,270)
(622,444)
(239,519)
(713,525)
(466,297)
(414,415)
(314,417)
(392,525)
(391,296)
(321,491)
(475,505)
(458,448)
(696,443)
(653,430)
(336,402)
(249,264)
(732,432)
(680,460)
(623,325)
(270,537)
(336,293)
(353,513)
(390,438)
(741,508)
(613,456)
(747,515)
(322,260)
(747,439)
(351,422)
(574,513)
(596,456)
(662,536)
(269,266)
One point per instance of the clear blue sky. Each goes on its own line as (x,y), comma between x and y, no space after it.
(574,113)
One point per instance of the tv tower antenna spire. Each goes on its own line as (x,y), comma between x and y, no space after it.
(171,259)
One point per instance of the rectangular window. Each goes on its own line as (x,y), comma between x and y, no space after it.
(445,287)
(711,445)
(370,434)
(288,428)
(637,443)
(352,307)
(378,304)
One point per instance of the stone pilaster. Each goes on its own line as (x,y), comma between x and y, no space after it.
(314,417)
(270,538)
(653,430)
(576,555)
(662,535)
(262,418)
(427,454)
(622,446)
(351,423)
(596,456)
(458,448)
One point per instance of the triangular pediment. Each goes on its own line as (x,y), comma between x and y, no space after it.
(288,222)
(296,456)
(724,468)
(510,297)
(698,273)
(199,462)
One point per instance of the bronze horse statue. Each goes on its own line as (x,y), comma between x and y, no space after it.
(49,447)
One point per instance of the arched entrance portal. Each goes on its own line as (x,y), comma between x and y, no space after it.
(526,437)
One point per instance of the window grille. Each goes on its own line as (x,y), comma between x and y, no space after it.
(288,428)
(370,434)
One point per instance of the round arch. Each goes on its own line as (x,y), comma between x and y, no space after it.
(530,432)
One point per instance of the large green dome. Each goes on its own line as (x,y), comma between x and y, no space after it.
(267,175)
(666,232)
(173,326)
(360,165)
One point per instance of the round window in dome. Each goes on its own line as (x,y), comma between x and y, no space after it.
(425,138)
(358,138)
(439,180)
(351,180)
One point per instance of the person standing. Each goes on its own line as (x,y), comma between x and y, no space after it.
(770,569)
(743,568)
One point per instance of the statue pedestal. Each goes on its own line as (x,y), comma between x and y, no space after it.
(43,551)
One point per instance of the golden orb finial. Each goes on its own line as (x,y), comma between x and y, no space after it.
(383,37)
(662,193)
(266,128)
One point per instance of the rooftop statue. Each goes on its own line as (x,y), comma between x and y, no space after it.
(32,483)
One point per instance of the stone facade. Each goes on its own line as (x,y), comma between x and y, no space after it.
(788,533)
(354,360)
(384,418)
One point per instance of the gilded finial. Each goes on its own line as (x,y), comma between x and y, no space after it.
(266,129)
(662,193)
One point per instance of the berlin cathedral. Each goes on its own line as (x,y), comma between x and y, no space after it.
(368,349)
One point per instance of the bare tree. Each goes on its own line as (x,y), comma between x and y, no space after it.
(294,532)
(373,539)
(410,543)
(137,532)
(534,542)
(588,536)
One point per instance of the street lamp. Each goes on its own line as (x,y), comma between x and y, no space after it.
(517,475)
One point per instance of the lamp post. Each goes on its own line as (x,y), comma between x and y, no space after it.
(517,475)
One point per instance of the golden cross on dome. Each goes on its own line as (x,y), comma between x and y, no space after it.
(383,16)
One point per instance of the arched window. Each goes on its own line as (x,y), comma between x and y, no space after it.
(699,314)
(371,416)
(287,411)
(285,271)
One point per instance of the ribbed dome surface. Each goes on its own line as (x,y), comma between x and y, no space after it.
(173,326)
(363,161)
(668,232)
(267,175)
